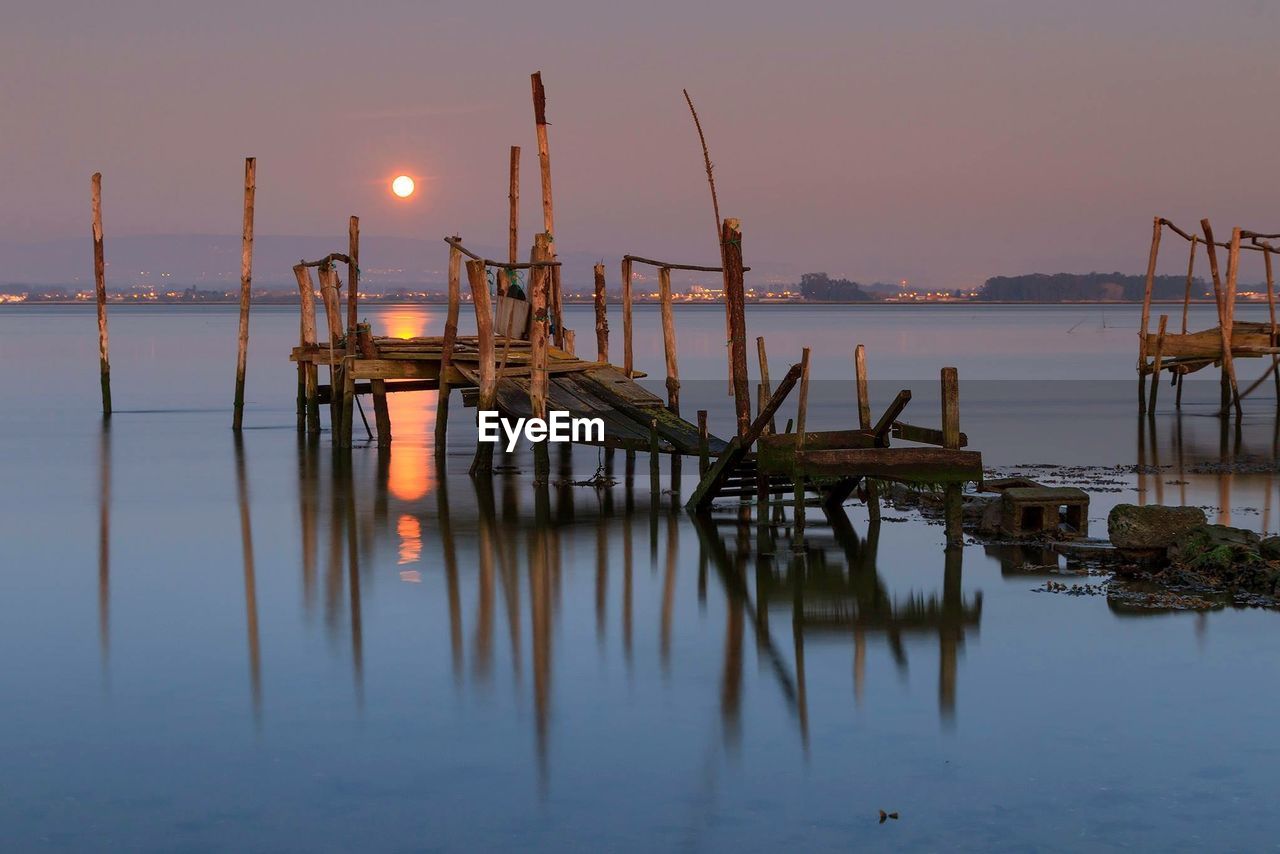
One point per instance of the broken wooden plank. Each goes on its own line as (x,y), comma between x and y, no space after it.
(923,435)
(910,465)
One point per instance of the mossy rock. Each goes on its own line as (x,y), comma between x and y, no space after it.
(1150,527)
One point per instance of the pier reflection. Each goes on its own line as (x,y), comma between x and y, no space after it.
(555,564)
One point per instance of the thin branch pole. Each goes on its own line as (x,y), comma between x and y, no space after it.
(100,289)
(513,207)
(353,274)
(1146,314)
(246,284)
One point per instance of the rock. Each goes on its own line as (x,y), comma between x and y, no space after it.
(1270,548)
(1149,528)
(1216,548)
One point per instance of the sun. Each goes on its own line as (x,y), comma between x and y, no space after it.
(402,186)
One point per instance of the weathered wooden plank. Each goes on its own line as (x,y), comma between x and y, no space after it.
(388,369)
(912,465)
(924,435)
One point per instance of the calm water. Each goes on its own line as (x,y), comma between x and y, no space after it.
(212,645)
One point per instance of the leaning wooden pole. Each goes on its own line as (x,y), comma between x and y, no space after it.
(602,315)
(1146,314)
(731,248)
(246,283)
(1228,358)
(1219,296)
(100,289)
(669,341)
(483,460)
(802,411)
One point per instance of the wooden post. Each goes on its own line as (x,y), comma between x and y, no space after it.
(655,480)
(1191,270)
(246,281)
(539,281)
(602,316)
(333,319)
(1271,308)
(353,272)
(1146,314)
(513,207)
(802,409)
(766,387)
(311,397)
(1228,359)
(548,208)
(1157,363)
(731,241)
(100,288)
(669,340)
(864,395)
(483,460)
(704,450)
(1219,298)
(569,341)
(628,366)
(951,409)
(381,413)
(953,498)
(446,353)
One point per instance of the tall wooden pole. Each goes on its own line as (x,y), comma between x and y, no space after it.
(540,279)
(766,387)
(548,207)
(353,274)
(1233,279)
(513,207)
(246,283)
(1219,297)
(483,460)
(311,400)
(1146,314)
(731,243)
(628,365)
(669,340)
(446,349)
(953,506)
(100,288)
(864,394)
(602,316)
(1271,308)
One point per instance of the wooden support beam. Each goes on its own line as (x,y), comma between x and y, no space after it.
(766,388)
(735,297)
(1157,363)
(446,355)
(799,480)
(704,454)
(669,341)
(883,426)
(924,435)
(100,291)
(246,283)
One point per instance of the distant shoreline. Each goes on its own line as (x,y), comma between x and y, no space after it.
(675,304)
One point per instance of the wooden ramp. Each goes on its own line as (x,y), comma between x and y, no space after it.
(584,389)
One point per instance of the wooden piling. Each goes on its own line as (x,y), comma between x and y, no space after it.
(802,410)
(669,340)
(655,477)
(513,207)
(246,281)
(602,316)
(704,451)
(731,241)
(1146,313)
(628,365)
(487,400)
(539,283)
(860,379)
(1157,363)
(100,289)
(766,387)
(951,409)
(353,272)
(446,353)
(1219,296)
(1271,309)
(311,394)
(1229,310)
(381,412)
(554,301)
(333,319)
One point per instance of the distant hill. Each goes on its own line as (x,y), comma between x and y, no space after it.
(1070,287)
(819,287)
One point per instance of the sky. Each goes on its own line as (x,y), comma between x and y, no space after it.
(939,142)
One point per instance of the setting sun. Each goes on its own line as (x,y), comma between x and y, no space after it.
(402,186)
